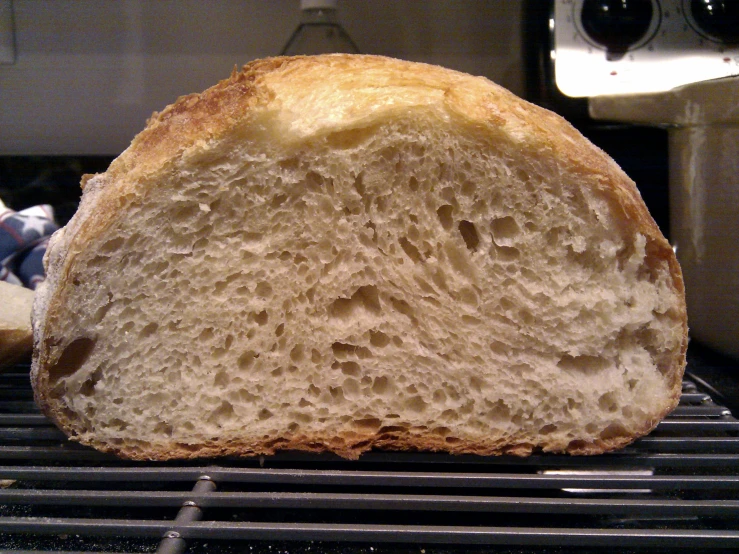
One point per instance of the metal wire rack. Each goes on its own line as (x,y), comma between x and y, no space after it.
(675,489)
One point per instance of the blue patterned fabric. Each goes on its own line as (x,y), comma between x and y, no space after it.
(23,239)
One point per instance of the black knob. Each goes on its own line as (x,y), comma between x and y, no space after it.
(719,19)
(616,24)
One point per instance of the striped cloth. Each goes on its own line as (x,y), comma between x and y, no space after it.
(24,236)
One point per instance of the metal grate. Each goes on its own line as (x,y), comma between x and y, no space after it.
(677,488)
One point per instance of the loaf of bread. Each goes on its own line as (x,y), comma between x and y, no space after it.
(340,253)
(16,337)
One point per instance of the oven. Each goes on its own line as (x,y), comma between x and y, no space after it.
(676,489)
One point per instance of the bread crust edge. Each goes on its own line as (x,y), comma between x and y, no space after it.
(233,101)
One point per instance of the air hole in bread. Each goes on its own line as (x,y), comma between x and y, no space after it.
(112,245)
(498,411)
(350,386)
(424,285)
(505,230)
(439,397)
(205,335)
(246,360)
(614,431)
(301,417)
(526,317)
(263,290)
(343,350)
(413,183)
(505,254)
(224,412)
(471,320)
(337,394)
(476,384)
(469,295)
(222,379)
(368,424)
(164,429)
(548,429)
(88,387)
(297,353)
(378,339)
(583,364)
(445,216)
(200,244)
(608,402)
(469,234)
(404,308)
(381,385)
(117,424)
(372,234)
(382,203)
(74,355)
(468,188)
(366,299)
(416,404)
(410,250)
(392,428)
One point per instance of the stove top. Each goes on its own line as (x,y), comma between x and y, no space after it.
(677,488)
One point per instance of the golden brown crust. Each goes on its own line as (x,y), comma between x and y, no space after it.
(351,446)
(275,90)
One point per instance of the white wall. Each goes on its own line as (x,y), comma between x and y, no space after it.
(89,72)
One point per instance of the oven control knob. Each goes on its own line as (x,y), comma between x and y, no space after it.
(616,24)
(719,19)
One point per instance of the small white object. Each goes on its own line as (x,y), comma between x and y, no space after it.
(7,33)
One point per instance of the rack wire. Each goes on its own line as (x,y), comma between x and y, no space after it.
(677,488)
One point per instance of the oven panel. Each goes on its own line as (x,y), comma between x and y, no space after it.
(637,46)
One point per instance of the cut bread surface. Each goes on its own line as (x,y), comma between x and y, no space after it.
(404,257)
